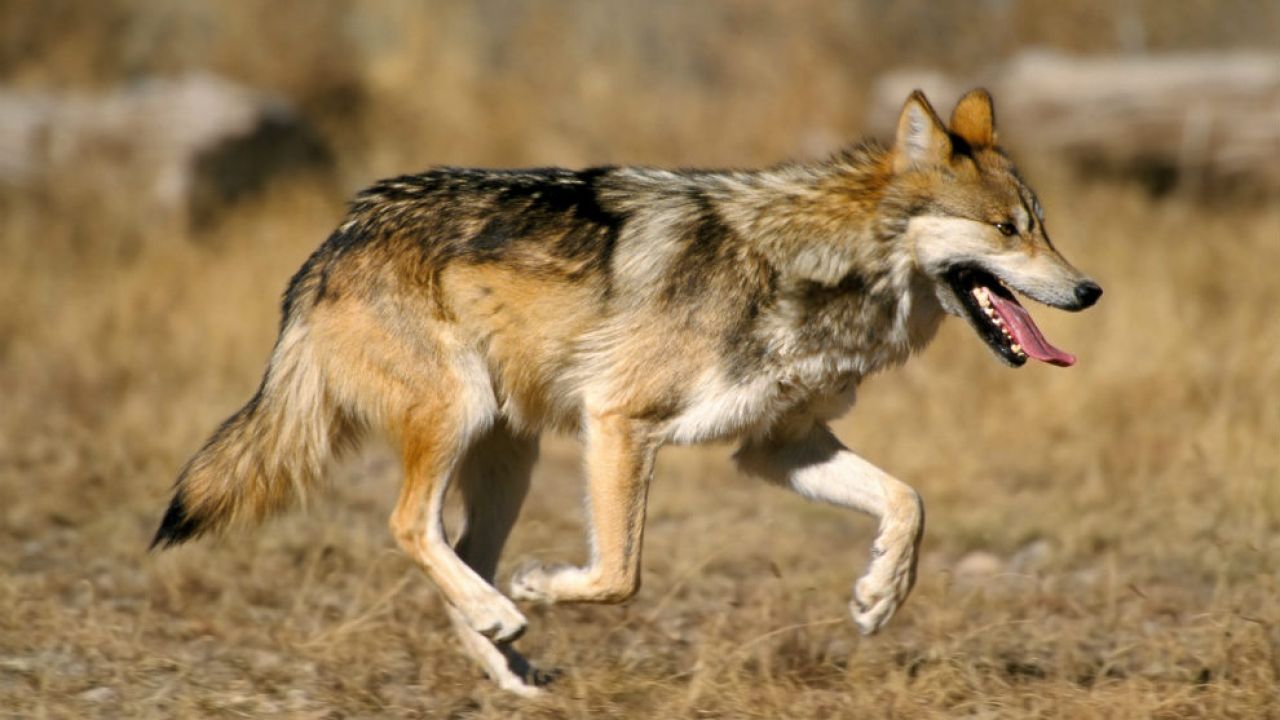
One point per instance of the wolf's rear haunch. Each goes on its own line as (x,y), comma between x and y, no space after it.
(265,455)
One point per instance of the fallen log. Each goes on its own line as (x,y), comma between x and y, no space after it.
(1204,123)
(182,148)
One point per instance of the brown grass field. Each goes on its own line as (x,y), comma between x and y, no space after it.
(1102,541)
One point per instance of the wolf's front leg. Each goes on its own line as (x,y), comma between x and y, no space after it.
(620,456)
(815,464)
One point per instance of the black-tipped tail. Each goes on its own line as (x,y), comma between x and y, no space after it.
(177,527)
(259,459)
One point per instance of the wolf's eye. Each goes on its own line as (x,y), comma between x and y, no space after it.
(1006,229)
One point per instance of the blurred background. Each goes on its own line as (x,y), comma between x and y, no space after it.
(1101,540)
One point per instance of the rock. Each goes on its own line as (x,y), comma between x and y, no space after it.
(1031,557)
(185,147)
(978,566)
(1202,122)
(98,695)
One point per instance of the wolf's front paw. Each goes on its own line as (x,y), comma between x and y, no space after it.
(879,593)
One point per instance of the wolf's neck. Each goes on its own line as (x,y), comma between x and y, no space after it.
(875,317)
(815,221)
(848,291)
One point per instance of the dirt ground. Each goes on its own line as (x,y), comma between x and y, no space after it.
(1102,541)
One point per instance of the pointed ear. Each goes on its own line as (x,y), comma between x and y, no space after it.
(922,138)
(974,118)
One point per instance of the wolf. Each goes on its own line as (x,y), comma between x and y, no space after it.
(464,312)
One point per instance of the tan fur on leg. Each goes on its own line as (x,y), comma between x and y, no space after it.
(431,456)
(619,466)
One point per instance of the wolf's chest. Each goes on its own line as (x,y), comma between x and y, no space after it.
(720,408)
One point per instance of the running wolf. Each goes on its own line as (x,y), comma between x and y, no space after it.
(464,312)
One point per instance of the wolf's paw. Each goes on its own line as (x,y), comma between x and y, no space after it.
(500,660)
(526,680)
(495,617)
(534,581)
(879,593)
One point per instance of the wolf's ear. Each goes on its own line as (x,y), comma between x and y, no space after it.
(922,138)
(974,118)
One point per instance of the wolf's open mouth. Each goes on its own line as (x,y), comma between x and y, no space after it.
(1001,320)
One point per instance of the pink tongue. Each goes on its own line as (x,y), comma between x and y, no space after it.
(1025,333)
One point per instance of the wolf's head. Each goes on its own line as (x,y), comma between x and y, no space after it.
(977,230)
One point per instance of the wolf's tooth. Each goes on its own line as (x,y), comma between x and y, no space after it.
(1016,348)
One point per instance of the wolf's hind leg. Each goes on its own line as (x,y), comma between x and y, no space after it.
(620,455)
(816,465)
(493,480)
(433,445)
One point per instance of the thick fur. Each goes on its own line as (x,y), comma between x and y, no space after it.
(463,312)
(266,454)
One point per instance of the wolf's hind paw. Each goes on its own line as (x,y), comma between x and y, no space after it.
(497,619)
(522,678)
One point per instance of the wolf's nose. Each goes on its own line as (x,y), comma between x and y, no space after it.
(1087,293)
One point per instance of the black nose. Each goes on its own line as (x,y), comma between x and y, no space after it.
(1087,293)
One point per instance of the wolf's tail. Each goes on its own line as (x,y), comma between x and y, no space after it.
(268,452)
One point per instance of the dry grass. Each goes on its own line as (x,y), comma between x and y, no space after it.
(1101,541)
